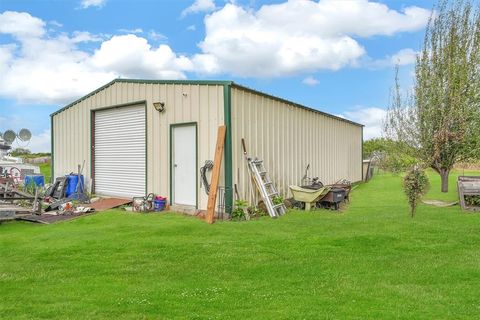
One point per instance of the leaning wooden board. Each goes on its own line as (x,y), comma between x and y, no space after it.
(217,163)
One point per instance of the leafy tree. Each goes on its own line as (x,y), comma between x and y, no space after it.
(415,185)
(440,120)
(389,154)
(20,152)
(375,145)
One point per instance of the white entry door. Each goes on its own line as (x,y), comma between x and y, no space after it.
(184,160)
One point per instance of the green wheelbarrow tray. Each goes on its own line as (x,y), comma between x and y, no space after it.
(309,196)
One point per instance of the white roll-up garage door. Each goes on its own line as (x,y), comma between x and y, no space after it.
(119,151)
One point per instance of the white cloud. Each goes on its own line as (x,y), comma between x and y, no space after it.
(199,6)
(403,57)
(133,57)
(21,25)
(92,3)
(310,81)
(40,142)
(83,36)
(55,23)
(43,68)
(297,36)
(372,118)
(136,30)
(191,27)
(12,122)
(156,36)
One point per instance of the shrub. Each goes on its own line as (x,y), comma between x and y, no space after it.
(415,185)
(256,212)
(399,162)
(472,201)
(238,212)
(277,200)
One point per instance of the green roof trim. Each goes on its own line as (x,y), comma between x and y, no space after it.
(205,82)
(235,85)
(191,82)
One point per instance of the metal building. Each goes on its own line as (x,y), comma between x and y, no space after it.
(130,148)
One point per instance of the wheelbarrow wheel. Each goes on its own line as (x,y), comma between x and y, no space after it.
(298,205)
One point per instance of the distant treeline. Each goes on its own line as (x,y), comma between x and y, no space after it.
(27,154)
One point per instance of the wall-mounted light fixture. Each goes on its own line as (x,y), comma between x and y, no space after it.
(159,106)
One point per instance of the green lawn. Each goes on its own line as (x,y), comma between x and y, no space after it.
(371,261)
(46,170)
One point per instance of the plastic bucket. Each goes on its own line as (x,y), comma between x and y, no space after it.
(159,205)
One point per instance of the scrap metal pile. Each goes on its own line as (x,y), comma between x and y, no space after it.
(14,202)
(29,199)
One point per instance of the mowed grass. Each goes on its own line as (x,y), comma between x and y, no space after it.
(46,170)
(370,261)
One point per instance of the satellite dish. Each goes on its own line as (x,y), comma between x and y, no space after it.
(9,136)
(25,135)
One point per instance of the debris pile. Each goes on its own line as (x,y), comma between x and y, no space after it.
(149,203)
(312,193)
(14,201)
(34,201)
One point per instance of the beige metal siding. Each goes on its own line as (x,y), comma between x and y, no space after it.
(203,104)
(288,138)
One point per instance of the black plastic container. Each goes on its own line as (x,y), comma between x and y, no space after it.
(333,198)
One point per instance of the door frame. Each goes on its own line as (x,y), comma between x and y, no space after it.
(92,138)
(173,126)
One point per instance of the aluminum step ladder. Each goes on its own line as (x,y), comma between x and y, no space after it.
(266,188)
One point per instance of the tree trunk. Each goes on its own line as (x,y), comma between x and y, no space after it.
(444,175)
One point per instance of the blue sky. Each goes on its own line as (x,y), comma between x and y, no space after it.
(334,55)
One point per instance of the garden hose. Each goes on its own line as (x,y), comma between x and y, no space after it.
(203,173)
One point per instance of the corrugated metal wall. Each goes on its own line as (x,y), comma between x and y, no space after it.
(288,138)
(203,104)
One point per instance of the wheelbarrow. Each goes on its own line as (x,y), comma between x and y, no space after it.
(309,196)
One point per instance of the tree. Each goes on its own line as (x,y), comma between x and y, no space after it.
(415,185)
(440,120)
(20,152)
(389,154)
(375,145)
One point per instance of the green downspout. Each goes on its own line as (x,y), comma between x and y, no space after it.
(52,173)
(362,179)
(227,95)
